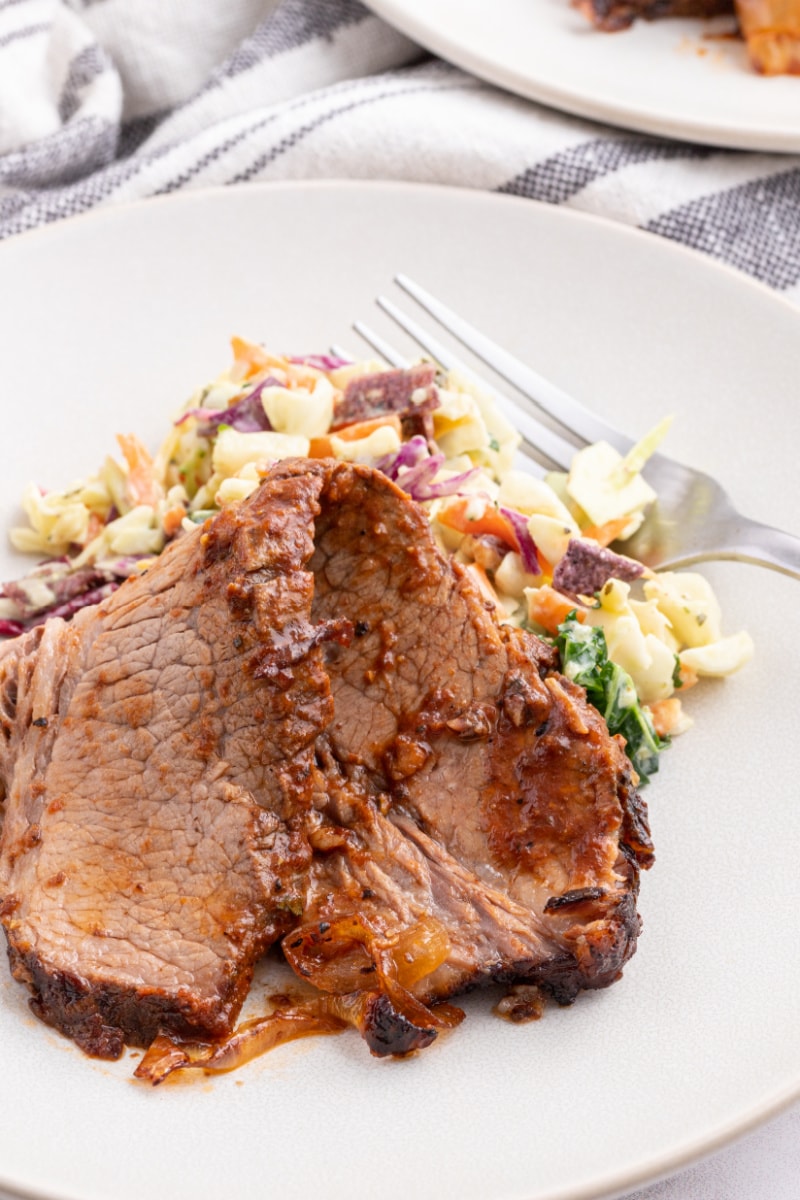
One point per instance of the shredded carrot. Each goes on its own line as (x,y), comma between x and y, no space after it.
(322,447)
(545,566)
(172,520)
(666,715)
(95,527)
(362,429)
(480,577)
(142,486)
(248,359)
(491,522)
(607,533)
(549,608)
(688,677)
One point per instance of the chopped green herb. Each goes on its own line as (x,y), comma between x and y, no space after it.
(494,444)
(677,682)
(584,660)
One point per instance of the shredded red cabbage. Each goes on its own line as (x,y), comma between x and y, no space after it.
(65,610)
(320,362)
(246,415)
(527,546)
(409,454)
(61,582)
(586,567)
(70,607)
(414,469)
(70,590)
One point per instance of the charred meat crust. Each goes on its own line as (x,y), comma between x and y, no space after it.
(386,1031)
(322,723)
(102,1019)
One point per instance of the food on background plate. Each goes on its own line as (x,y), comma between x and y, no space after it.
(612,15)
(771,28)
(339,705)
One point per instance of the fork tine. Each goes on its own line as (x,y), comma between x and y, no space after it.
(569,412)
(396,359)
(426,340)
(543,440)
(393,357)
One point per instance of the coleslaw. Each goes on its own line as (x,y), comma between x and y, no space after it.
(538,549)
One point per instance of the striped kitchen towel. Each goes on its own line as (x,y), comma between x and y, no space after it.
(110,100)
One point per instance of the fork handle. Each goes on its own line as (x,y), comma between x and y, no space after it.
(765,546)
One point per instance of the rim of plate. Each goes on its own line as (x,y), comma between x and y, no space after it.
(545,211)
(730,134)
(644,1175)
(657,1167)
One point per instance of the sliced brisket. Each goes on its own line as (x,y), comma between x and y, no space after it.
(498,805)
(209,761)
(157,780)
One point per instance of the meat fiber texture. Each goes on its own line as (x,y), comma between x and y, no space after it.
(303,725)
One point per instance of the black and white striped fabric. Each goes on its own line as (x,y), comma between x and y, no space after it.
(109,100)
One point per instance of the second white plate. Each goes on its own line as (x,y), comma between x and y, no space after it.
(678,78)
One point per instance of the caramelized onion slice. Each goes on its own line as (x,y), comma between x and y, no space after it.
(350,958)
(419,950)
(337,956)
(364,979)
(250,1039)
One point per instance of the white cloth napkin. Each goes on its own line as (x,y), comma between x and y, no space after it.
(109,100)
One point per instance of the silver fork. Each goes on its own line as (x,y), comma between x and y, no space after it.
(693,519)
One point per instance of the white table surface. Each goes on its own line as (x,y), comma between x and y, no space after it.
(763,1165)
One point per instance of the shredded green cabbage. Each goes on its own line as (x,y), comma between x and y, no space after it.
(584,660)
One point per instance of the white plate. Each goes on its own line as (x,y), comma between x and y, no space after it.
(107,323)
(667,77)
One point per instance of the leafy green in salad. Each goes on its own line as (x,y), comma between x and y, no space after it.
(584,660)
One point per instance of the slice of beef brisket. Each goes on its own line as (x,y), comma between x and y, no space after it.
(207,762)
(498,805)
(156,756)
